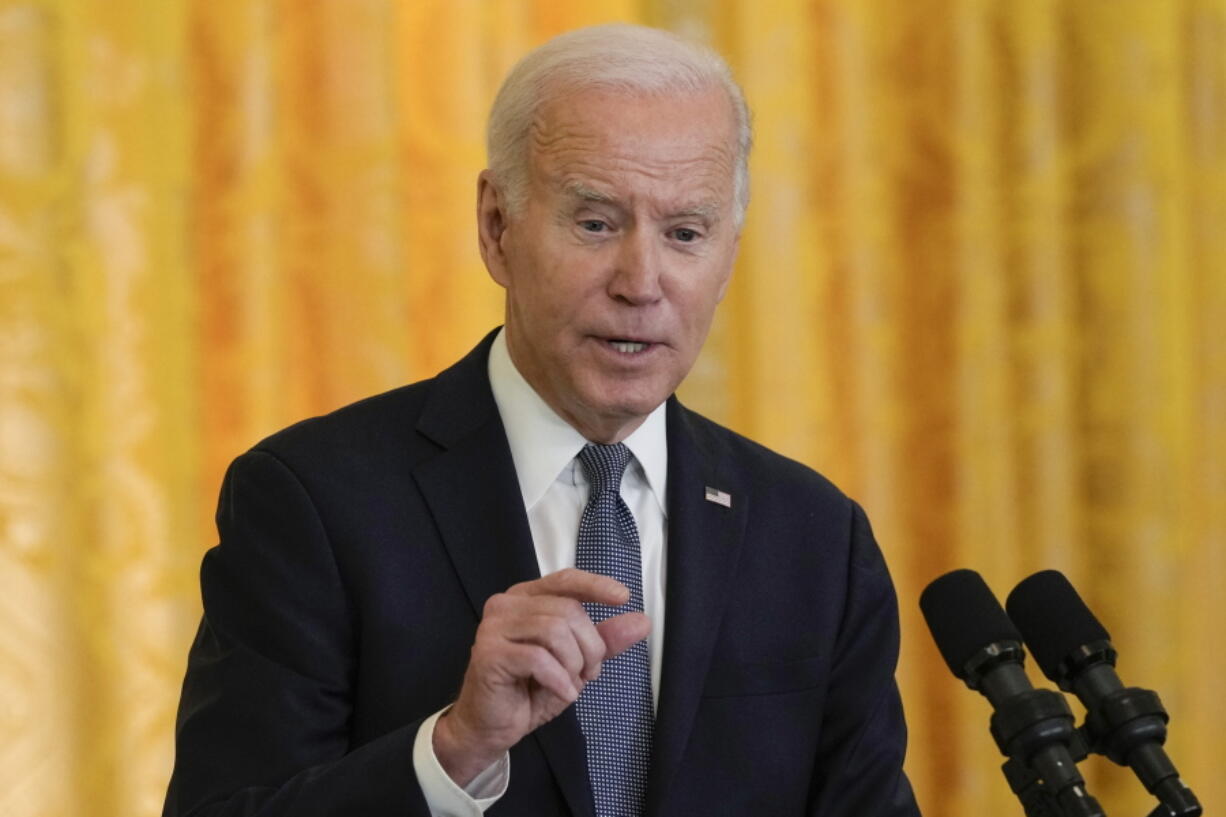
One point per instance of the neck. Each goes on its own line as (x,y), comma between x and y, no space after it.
(603,434)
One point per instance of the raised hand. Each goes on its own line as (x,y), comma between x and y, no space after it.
(535,649)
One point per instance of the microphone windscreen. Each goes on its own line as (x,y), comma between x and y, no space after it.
(964,617)
(1053,619)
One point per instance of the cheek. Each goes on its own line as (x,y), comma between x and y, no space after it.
(698,307)
(568,292)
(548,306)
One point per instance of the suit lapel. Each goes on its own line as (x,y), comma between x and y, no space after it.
(704,543)
(473,494)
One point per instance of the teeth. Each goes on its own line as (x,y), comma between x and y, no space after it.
(628,348)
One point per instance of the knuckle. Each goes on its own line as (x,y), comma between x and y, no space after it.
(575,610)
(537,655)
(494,604)
(556,630)
(483,644)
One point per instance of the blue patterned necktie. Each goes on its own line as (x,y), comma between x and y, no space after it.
(615,711)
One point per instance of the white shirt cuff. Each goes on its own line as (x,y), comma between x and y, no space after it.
(443,796)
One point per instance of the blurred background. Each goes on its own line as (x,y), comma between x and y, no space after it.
(982,287)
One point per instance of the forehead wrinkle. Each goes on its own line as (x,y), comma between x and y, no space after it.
(561,143)
(701,204)
(583,174)
(581,162)
(543,134)
(576,155)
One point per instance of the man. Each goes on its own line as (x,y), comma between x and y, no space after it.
(536,584)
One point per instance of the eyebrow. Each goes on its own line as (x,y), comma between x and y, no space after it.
(579,190)
(708,209)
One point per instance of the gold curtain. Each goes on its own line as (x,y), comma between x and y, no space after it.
(982,287)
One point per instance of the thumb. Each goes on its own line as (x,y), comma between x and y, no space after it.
(623,631)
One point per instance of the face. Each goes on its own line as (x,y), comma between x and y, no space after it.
(614,264)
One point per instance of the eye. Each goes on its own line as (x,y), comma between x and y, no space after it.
(685,235)
(593,225)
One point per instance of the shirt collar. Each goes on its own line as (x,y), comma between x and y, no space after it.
(543,444)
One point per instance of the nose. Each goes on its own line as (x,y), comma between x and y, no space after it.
(636,278)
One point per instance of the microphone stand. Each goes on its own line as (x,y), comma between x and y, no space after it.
(1024,725)
(1027,725)
(1127,725)
(1113,728)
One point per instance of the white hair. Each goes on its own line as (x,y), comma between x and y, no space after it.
(619,57)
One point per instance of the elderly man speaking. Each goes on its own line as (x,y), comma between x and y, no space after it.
(536,584)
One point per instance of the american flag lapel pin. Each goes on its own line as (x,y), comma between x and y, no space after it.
(718,497)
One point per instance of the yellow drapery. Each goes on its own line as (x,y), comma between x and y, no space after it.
(982,286)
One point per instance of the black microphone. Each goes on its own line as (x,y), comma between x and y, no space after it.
(1128,725)
(1033,728)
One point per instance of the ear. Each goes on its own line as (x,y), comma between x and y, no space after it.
(491,226)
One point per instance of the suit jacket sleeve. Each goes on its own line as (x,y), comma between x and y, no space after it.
(859,762)
(263,724)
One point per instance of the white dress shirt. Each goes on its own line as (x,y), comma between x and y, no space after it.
(544,448)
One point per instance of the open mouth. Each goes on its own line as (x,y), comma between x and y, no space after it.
(628,347)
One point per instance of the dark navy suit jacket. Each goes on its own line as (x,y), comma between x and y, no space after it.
(357,550)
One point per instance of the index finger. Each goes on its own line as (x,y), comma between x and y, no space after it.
(580,585)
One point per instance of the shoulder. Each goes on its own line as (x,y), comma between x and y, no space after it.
(355,454)
(381,422)
(397,428)
(367,425)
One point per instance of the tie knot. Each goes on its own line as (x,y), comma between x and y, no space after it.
(604,465)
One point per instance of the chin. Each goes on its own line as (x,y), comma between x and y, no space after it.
(619,401)
(628,407)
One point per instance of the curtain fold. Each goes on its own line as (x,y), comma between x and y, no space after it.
(982,287)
